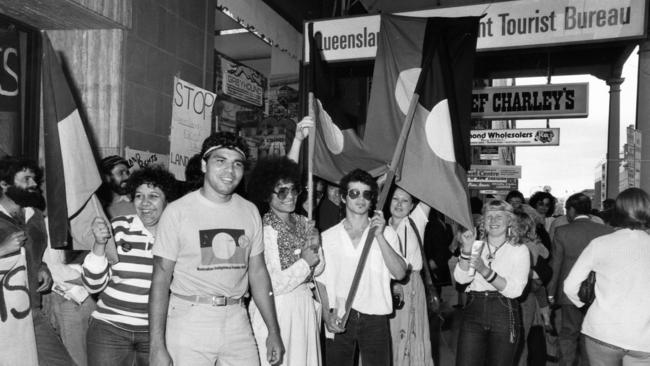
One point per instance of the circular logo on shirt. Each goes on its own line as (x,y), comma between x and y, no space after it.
(223,246)
(244,242)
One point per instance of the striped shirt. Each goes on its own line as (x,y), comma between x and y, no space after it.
(124,286)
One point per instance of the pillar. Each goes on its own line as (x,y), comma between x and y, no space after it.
(643,111)
(613,135)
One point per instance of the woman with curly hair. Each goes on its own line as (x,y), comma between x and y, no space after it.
(292,255)
(118,333)
(491,327)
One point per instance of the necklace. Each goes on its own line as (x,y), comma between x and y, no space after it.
(491,254)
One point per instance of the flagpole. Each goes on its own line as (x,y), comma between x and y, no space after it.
(310,177)
(383,195)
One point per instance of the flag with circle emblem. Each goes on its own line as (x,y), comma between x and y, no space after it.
(338,149)
(436,155)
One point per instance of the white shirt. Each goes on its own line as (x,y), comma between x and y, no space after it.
(409,239)
(511,262)
(341,257)
(620,313)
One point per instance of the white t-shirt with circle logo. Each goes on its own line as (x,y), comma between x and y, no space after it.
(211,244)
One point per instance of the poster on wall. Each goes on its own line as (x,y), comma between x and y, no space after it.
(190,125)
(139,159)
(9,89)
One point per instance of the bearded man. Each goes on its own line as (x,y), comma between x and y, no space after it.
(22,225)
(113,192)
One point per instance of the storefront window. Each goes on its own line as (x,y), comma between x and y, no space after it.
(19,88)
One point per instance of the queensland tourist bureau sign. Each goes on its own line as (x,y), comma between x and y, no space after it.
(506,25)
(516,137)
(531,101)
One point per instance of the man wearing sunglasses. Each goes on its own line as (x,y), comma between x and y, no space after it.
(367,326)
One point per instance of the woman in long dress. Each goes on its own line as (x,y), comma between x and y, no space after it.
(292,254)
(410,326)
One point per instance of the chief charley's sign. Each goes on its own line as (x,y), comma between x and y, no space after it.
(516,137)
(531,101)
(506,25)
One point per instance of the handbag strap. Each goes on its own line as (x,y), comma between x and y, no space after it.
(428,280)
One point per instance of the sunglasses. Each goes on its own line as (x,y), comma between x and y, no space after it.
(283,192)
(355,193)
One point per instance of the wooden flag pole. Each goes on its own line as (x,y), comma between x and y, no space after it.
(383,195)
(310,158)
(310,176)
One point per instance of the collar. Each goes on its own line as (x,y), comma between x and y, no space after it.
(29,212)
(585,217)
(124,198)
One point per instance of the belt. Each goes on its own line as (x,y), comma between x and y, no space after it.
(486,293)
(210,300)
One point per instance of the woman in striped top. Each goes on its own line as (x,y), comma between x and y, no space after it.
(118,333)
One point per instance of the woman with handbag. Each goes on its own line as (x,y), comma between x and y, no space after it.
(497,273)
(409,326)
(617,324)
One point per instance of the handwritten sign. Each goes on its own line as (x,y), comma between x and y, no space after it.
(16,325)
(139,159)
(191,118)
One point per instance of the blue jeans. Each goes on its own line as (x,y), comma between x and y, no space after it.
(604,354)
(370,333)
(70,320)
(490,331)
(109,345)
(51,351)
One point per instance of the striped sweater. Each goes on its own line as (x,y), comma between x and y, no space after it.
(124,286)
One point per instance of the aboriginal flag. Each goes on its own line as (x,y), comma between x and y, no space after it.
(71,172)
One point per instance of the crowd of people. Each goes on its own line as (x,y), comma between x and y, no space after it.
(195,273)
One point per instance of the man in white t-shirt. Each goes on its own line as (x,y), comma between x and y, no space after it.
(210,240)
(367,326)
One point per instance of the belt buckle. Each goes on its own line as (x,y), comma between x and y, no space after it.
(218,301)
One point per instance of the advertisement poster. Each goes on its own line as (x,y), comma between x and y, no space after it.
(191,117)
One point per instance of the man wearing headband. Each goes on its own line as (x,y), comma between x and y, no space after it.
(112,193)
(210,242)
(367,326)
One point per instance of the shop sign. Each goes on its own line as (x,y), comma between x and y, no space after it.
(139,159)
(494,171)
(531,101)
(191,117)
(489,153)
(508,184)
(9,71)
(505,25)
(516,137)
(242,83)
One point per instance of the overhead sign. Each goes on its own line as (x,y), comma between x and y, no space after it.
(494,171)
(516,137)
(241,82)
(191,118)
(531,101)
(509,184)
(506,25)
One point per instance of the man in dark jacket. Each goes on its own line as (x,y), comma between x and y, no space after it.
(22,225)
(568,243)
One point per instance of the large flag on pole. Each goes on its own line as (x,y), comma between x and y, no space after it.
(72,176)
(338,149)
(436,154)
